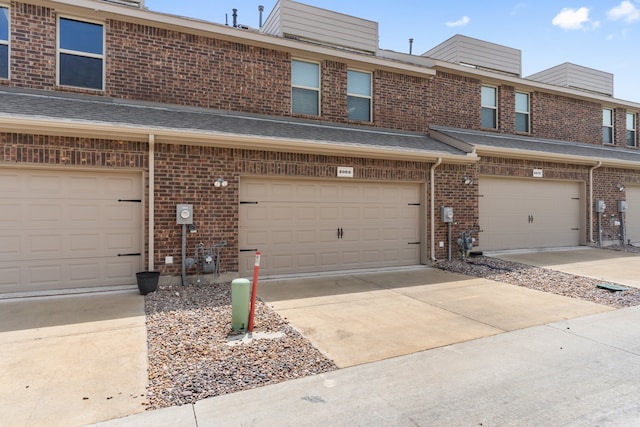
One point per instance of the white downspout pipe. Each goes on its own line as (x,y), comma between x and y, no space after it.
(591,200)
(432,178)
(151,201)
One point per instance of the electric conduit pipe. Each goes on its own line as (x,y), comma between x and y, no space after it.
(591,200)
(432,177)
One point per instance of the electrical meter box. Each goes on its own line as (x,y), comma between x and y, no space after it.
(447,214)
(600,206)
(622,206)
(184,214)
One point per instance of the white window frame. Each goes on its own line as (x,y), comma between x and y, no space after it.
(79,53)
(355,95)
(526,113)
(632,129)
(7,42)
(610,127)
(317,89)
(491,107)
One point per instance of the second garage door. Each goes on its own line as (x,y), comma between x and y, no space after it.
(311,226)
(633,214)
(520,213)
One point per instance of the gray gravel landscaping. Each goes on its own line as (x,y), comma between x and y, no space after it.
(189,327)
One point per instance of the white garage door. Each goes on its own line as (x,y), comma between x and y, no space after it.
(518,213)
(61,230)
(633,214)
(310,226)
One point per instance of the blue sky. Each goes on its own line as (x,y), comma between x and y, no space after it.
(601,34)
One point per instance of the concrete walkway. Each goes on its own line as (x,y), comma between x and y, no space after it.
(365,317)
(601,264)
(72,360)
(578,372)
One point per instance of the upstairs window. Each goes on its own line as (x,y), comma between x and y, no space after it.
(305,88)
(489,101)
(631,130)
(80,54)
(4,42)
(359,96)
(522,112)
(607,126)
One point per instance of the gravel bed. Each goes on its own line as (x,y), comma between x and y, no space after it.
(189,357)
(546,280)
(188,329)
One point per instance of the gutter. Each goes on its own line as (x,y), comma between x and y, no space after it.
(433,208)
(152,165)
(591,200)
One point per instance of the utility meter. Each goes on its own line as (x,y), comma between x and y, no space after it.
(622,206)
(184,214)
(447,214)
(600,206)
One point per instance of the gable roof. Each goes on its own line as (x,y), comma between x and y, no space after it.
(485,143)
(47,112)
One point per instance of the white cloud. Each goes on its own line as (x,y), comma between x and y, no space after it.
(572,19)
(459,23)
(625,11)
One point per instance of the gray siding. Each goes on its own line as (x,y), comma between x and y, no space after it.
(577,77)
(297,20)
(461,49)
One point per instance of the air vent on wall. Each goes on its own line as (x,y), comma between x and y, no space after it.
(133,3)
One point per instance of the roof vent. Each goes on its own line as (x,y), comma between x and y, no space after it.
(133,3)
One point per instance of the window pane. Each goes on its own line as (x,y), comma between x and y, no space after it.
(607,119)
(607,135)
(80,71)
(489,96)
(4,24)
(489,118)
(522,122)
(304,101)
(522,102)
(80,36)
(358,83)
(358,108)
(631,121)
(631,138)
(305,74)
(4,62)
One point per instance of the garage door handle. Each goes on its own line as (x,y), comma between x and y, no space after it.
(340,233)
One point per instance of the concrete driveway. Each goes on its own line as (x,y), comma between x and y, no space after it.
(72,360)
(602,264)
(365,317)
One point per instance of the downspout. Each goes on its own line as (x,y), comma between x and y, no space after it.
(152,141)
(591,200)
(433,208)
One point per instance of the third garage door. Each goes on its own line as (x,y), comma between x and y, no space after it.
(310,226)
(633,214)
(521,213)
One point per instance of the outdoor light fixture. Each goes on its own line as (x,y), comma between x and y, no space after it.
(620,187)
(468,180)
(220,182)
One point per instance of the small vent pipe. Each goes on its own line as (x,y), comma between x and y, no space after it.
(410,46)
(235,18)
(260,9)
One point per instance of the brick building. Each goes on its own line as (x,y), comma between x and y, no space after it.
(311,145)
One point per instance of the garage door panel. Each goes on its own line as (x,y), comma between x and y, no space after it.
(518,213)
(321,209)
(63,228)
(632,217)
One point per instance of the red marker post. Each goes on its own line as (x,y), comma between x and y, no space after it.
(256,269)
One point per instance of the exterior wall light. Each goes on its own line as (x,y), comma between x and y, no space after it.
(620,187)
(220,182)
(468,180)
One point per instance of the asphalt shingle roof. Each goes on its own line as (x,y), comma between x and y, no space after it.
(45,105)
(481,139)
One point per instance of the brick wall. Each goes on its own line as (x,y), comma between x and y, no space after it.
(400,101)
(454,101)
(605,182)
(558,117)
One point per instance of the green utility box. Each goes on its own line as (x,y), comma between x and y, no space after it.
(240,304)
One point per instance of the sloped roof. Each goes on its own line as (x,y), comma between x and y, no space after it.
(78,112)
(491,143)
